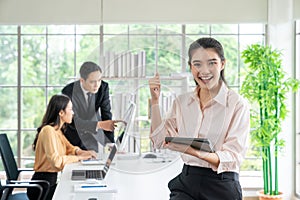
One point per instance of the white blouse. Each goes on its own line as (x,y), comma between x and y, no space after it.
(225,121)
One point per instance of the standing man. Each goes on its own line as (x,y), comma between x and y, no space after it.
(92,121)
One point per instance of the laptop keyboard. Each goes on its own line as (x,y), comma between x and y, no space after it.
(93,174)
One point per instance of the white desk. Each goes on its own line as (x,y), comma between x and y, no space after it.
(136,179)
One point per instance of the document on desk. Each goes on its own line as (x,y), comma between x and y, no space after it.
(86,187)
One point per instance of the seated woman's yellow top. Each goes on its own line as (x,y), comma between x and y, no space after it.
(53,151)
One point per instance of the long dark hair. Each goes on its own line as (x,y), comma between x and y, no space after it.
(56,104)
(207,42)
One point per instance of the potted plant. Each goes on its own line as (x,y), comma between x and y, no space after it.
(266,88)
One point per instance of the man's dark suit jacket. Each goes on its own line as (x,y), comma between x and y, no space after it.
(82,131)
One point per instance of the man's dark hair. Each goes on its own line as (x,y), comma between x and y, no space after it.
(87,68)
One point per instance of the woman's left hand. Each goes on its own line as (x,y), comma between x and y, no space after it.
(209,157)
(185,149)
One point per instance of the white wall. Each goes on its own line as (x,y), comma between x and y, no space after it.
(281,36)
(296,10)
(131,11)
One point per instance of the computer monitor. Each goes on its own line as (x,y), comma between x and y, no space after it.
(123,129)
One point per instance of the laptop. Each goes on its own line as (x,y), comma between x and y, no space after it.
(98,174)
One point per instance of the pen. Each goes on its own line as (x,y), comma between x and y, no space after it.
(93,186)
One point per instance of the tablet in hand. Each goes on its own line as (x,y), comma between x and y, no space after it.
(202,144)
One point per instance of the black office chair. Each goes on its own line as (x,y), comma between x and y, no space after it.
(12,171)
(5,191)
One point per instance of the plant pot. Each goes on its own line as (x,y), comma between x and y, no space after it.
(263,196)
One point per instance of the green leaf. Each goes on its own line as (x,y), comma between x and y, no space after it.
(266,86)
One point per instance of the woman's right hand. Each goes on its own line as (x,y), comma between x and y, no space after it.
(154,85)
(85,155)
(109,125)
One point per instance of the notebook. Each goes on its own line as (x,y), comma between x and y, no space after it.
(98,174)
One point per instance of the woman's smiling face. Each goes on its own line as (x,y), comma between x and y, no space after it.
(206,66)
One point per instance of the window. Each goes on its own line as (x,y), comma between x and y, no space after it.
(37,61)
(297,136)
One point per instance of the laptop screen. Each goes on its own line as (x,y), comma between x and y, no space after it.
(111,156)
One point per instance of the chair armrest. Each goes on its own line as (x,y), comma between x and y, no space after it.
(25,169)
(8,187)
(29,181)
(43,183)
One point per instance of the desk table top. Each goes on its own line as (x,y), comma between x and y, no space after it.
(133,179)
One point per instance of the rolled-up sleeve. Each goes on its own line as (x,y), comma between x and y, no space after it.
(162,128)
(158,131)
(234,147)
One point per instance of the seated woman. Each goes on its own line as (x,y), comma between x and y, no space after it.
(52,150)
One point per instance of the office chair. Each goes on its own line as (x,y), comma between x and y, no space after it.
(12,171)
(5,191)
